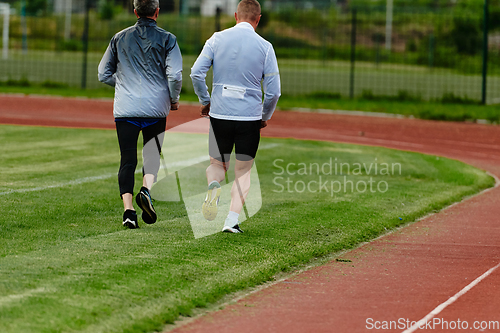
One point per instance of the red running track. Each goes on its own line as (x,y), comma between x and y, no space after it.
(401,277)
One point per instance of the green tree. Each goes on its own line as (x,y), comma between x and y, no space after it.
(35,7)
(466,34)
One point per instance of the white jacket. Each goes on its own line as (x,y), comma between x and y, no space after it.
(241,59)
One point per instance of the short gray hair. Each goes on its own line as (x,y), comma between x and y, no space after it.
(146,8)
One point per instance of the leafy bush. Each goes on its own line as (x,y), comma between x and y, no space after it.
(443,116)
(52,84)
(401,96)
(35,7)
(23,82)
(436,53)
(264,19)
(324,95)
(411,45)
(494,18)
(283,41)
(466,35)
(309,18)
(451,98)
(493,118)
(405,96)
(70,45)
(368,95)
(106,11)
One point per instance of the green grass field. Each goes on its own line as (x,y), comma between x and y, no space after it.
(67,264)
(298,77)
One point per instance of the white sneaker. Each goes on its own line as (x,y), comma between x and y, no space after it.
(209,207)
(233,230)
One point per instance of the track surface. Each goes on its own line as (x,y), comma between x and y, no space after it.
(400,277)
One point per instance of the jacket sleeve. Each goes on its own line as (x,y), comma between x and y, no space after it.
(174,72)
(107,66)
(199,72)
(271,84)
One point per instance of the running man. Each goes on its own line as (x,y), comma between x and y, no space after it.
(144,64)
(241,59)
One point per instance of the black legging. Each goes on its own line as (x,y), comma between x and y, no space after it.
(128,135)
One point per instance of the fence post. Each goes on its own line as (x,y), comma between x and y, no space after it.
(432,41)
(388,25)
(85,39)
(67,19)
(378,39)
(177,7)
(485,51)
(218,12)
(184,7)
(325,49)
(24,27)
(5,8)
(353,53)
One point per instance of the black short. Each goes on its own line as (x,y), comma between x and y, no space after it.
(243,135)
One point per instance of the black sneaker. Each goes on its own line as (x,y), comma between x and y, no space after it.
(144,201)
(233,230)
(130,219)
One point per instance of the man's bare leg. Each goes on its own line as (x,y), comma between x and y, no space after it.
(239,192)
(216,170)
(241,185)
(148,180)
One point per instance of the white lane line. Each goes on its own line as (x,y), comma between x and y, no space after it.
(351,113)
(84,180)
(101,177)
(441,307)
(72,182)
(10,298)
(403,144)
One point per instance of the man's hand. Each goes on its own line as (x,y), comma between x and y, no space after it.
(263,123)
(204,110)
(174,106)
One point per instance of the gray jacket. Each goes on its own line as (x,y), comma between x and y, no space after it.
(144,64)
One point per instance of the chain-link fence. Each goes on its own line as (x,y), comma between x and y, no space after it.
(324,48)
